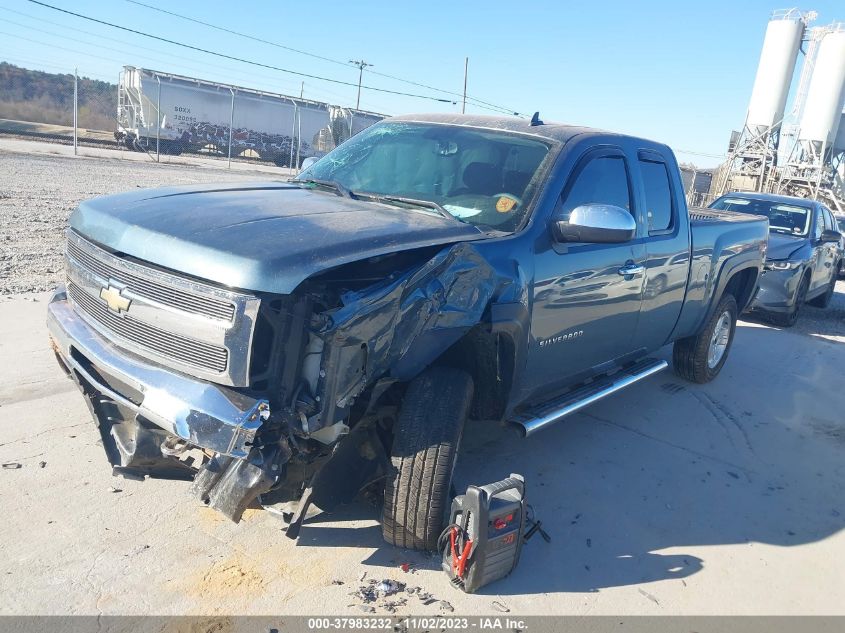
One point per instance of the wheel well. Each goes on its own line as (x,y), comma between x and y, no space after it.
(741,286)
(489,359)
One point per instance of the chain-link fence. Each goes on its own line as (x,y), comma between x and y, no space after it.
(164,114)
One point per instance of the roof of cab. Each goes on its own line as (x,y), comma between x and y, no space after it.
(555,131)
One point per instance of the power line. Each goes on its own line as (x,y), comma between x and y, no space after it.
(486,105)
(183,62)
(232,57)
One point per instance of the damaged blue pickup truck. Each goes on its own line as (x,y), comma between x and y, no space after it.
(288,343)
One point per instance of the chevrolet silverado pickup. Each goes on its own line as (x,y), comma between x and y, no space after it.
(288,343)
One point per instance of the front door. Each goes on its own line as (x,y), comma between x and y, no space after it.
(585,306)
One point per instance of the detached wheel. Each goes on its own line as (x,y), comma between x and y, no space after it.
(788,319)
(425,448)
(700,358)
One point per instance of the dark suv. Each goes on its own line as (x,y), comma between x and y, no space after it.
(804,254)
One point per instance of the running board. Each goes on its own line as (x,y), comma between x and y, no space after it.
(550,412)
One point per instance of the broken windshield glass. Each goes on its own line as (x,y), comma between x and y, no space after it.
(480,176)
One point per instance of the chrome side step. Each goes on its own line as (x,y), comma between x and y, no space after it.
(550,412)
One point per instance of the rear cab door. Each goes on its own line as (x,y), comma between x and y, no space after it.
(665,217)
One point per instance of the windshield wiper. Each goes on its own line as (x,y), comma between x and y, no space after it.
(331,184)
(411,202)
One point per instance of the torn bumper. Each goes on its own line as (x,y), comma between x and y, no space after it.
(203,414)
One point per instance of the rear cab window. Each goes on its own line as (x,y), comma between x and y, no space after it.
(657,189)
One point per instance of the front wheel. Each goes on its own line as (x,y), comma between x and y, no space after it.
(824,300)
(790,318)
(425,449)
(700,358)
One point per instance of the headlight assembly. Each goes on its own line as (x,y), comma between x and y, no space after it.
(782,264)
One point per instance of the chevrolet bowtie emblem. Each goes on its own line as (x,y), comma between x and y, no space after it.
(114,300)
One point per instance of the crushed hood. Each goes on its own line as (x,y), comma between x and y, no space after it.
(782,246)
(265,237)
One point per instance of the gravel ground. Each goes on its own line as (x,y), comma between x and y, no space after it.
(38,193)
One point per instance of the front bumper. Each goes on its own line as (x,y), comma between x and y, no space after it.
(201,413)
(778,289)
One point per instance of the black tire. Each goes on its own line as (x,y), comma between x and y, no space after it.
(824,300)
(690,355)
(788,319)
(426,437)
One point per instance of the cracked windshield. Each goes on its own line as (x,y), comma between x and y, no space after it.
(481,177)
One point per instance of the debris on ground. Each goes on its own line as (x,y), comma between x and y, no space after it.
(337,582)
(377,592)
(405,567)
(499,606)
(362,576)
(649,596)
(389,587)
(12,465)
(113,489)
(42,464)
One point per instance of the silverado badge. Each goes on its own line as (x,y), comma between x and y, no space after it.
(114,300)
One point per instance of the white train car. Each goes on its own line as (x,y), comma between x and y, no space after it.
(170,113)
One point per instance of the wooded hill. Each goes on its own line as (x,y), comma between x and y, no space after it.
(41,97)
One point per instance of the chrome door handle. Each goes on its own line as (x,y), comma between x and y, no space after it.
(631,270)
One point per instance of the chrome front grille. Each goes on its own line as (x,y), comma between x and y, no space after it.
(148,288)
(193,327)
(165,343)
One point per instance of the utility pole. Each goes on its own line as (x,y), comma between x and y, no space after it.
(361,64)
(75,108)
(466,70)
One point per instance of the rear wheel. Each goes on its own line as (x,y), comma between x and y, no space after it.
(788,319)
(425,448)
(700,358)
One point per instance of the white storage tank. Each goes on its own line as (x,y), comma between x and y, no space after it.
(839,143)
(823,106)
(775,70)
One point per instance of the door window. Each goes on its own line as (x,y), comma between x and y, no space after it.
(658,195)
(829,223)
(603,180)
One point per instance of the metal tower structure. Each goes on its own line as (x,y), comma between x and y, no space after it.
(753,153)
(816,159)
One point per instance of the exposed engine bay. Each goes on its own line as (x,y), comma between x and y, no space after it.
(328,365)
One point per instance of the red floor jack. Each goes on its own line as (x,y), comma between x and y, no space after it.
(484,537)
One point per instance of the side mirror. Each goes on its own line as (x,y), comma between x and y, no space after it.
(831,236)
(598,224)
(307,162)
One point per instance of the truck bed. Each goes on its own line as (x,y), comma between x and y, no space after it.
(720,239)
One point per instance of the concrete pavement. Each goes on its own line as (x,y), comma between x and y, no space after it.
(669,498)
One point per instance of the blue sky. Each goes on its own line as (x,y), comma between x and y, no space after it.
(677,72)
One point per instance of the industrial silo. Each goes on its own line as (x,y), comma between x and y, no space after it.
(823,106)
(839,139)
(753,154)
(774,72)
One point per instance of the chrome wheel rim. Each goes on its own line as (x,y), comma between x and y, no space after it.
(719,341)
